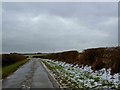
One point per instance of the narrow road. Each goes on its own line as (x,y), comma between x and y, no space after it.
(30,75)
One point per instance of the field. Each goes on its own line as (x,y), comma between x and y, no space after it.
(74,76)
(0,72)
(7,70)
(11,62)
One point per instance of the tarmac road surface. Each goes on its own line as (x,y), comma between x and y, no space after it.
(30,75)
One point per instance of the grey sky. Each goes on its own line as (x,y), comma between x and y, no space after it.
(48,27)
(119,23)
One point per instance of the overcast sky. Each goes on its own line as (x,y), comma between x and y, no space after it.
(51,27)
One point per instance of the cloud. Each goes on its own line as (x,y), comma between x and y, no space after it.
(47,27)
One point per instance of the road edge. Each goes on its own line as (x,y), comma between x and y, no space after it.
(51,76)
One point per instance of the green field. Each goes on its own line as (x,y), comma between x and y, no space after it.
(7,70)
(0,72)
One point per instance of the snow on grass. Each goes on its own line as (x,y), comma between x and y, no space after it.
(73,76)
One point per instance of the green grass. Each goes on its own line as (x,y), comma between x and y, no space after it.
(0,72)
(7,70)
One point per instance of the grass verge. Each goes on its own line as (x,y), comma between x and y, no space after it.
(0,73)
(7,70)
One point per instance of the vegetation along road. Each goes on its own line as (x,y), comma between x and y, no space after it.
(30,75)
